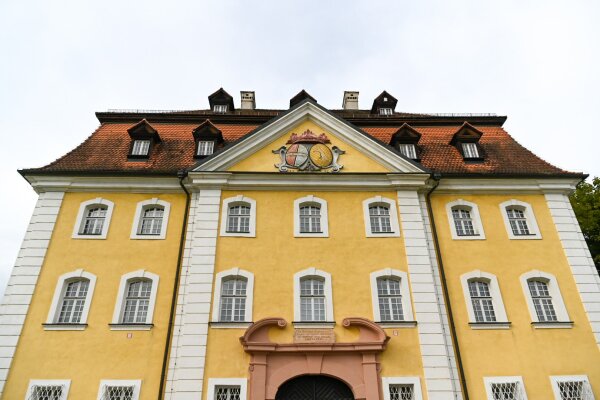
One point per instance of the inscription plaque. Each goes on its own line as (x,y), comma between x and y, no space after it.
(314,336)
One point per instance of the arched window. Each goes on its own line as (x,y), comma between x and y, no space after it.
(544,300)
(484,301)
(519,220)
(136,298)
(238,217)
(464,219)
(481,300)
(71,302)
(93,219)
(310,217)
(151,219)
(391,297)
(381,217)
(233,297)
(313,301)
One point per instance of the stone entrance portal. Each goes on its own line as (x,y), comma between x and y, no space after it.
(355,364)
(314,387)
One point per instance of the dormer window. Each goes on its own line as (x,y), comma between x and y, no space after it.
(221,102)
(220,108)
(384,104)
(143,138)
(205,147)
(408,150)
(470,150)
(385,111)
(405,140)
(466,141)
(141,147)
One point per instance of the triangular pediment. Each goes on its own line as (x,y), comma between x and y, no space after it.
(350,147)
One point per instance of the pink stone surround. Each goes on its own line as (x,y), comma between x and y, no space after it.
(354,363)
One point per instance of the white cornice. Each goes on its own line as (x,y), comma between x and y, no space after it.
(321,117)
(50,183)
(507,185)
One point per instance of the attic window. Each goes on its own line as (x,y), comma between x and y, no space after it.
(205,147)
(140,148)
(408,150)
(220,108)
(470,150)
(143,138)
(385,111)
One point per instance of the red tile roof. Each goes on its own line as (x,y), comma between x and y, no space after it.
(106,150)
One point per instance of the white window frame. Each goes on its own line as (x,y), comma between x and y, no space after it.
(494,288)
(393,217)
(329,321)
(83,209)
(225,212)
(116,323)
(210,147)
(529,216)
(554,381)
(141,207)
(402,380)
(214,382)
(489,380)
(324,216)
(233,272)
(562,316)
(220,108)
(468,148)
(137,386)
(475,217)
(145,146)
(412,150)
(59,291)
(49,382)
(404,293)
(387,111)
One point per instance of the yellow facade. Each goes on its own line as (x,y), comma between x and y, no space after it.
(98,353)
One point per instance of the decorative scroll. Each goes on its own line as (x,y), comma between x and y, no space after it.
(309,152)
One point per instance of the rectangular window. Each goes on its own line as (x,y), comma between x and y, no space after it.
(233,300)
(506,391)
(152,219)
(518,222)
(140,148)
(402,392)
(310,219)
(542,301)
(390,299)
(408,150)
(238,219)
(137,302)
(205,147)
(572,388)
(385,111)
(118,393)
(220,108)
(73,302)
(380,219)
(463,222)
(483,308)
(470,150)
(227,393)
(46,392)
(312,300)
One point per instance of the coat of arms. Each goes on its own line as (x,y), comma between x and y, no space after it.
(309,152)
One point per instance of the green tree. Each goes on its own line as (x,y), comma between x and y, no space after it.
(586,204)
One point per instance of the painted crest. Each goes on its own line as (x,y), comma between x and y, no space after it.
(309,152)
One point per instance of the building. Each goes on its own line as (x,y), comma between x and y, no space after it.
(240,253)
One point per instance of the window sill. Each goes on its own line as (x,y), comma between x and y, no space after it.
(93,237)
(311,234)
(490,325)
(130,327)
(553,325)
(239,234)
(471,237)
(64,327)
(525,237)
(397,324)
(230,325)
(383,234)
(313,324)
(148,237)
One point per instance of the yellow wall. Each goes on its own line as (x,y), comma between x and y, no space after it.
(264,159)
(274,256)
(98,353)
(536,354)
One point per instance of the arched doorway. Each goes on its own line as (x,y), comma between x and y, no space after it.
(314,387)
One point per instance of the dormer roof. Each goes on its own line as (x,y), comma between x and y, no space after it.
(221,97)
(207,131)
(143,130)
(467,133)
(303,94)
(384,100)
(405,134)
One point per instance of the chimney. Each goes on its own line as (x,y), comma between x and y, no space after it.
(248,102)
(350,100)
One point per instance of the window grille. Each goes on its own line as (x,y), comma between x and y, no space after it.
(94,221)
(385,111)
(233,300)
(46,392)
(312,299)
(408,150)
(483,307)
(542,301)
(310,219)
(238,218)
(73,301)
(380,219)
(390,300)
(220,108)
(402,392)
(205,148)
(575,390)
(140,148)
(507,391)
(152,219)
(470,150)
(117,393)
(463,222)
(227,393)
(518,222)
(137,302)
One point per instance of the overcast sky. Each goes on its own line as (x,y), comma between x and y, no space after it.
(61,61)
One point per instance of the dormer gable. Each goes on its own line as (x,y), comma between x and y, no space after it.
(143,138)
(466,141)
(207,138)
(384,104)
(221,102)
(302,95)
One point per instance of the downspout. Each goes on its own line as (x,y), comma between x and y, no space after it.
(181,175)
(436,177)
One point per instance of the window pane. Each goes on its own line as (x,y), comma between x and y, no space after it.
(470,150)
(238,219)
(140,147)
(205,147)
(94,221)
(46,392)
(151,223)
(233,300)
(518,222)
(401,392)
(312,299)
(227,393)
(380,219)
(542,301)
(408,150)
(73,301)
(390,299)
(137,301)
(117,393)
(310,219)
(463,222)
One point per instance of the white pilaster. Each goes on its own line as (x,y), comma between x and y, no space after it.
(188,347)
(579,257)
(436,348)
(23,279)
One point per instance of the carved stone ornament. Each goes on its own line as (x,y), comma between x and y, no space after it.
(309,152)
